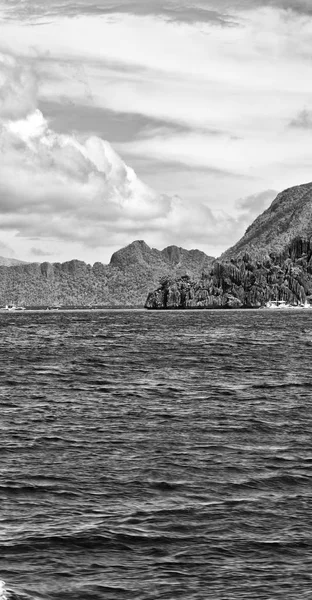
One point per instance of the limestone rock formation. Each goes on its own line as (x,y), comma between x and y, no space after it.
(243,282)
(272,261)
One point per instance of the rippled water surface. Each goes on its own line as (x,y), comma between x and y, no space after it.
(156,455)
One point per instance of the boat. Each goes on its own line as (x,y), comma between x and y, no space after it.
(303,305)
(13,307)
(280,304)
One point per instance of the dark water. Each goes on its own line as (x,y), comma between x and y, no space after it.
(156,455)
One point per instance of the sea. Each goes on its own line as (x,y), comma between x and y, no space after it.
(156,455)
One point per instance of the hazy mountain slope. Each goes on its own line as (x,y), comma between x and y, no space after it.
(126,281)
(9,262)
(288,217)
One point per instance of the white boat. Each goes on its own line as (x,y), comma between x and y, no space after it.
(306,305)
(280,304)
(13,307)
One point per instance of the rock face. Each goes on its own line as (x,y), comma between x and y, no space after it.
(124,282)
(243,282)
(288,217)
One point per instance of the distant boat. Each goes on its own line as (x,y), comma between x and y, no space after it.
(305,305)
(13,307)
(280,304)
(277,304)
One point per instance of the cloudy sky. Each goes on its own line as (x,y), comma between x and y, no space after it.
(172,121)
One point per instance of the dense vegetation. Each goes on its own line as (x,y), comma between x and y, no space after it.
(132,272)
(288,217)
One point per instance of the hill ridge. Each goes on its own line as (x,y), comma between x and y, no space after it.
(288,216)
(125,281)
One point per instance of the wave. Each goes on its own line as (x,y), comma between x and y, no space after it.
(159,458)
(274,482)
(9,594)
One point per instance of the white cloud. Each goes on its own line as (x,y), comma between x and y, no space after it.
(18,88)
(59,176)
(74,189)
(251,206)
(246,83)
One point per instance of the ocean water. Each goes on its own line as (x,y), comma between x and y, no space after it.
(156,455)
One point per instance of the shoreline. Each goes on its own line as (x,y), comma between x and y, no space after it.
(65,309)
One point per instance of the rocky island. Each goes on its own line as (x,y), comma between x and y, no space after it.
(272,261)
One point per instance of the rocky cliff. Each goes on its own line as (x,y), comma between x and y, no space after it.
(243,282)
(132,272)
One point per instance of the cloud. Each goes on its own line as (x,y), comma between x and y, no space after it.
(76,188)
(112,125)
(303,120)
(252,206)
(204,117)
(214,12)
(39,253)
(302,7)
(72,185)
(18,88)
(248,208)
(6,250)
(174,10)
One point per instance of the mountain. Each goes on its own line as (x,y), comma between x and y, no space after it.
(9,262)
(132,272)
(272,261)
(172,257)
(288,217)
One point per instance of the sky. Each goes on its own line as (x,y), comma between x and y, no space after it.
(176,122)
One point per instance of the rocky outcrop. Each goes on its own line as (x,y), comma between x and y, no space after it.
(243,282)
(124,282)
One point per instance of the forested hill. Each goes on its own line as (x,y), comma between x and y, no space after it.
(132,272)
(9,262)
(272,261)
(288,217)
